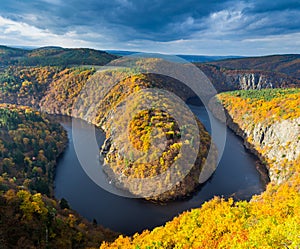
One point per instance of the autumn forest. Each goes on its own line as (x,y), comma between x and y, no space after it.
(36,85)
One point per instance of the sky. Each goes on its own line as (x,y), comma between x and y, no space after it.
(203,27)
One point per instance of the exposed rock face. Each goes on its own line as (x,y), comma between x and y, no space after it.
(273,143)
(288,64)
(278,142)
(255,80)
(250,81)
(229,79)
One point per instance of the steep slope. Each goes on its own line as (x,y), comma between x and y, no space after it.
(287,64)
(275,137)
(64,89)
(25,85)
(38,86)
(225,79)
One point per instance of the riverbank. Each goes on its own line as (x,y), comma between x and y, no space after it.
(131,215)
(157,139)
(261,165)
(275,136)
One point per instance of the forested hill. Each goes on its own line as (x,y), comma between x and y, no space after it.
(275,71)
(53,56)
(270,220)
(288,64)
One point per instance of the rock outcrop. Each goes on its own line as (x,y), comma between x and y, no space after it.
(257,80)
(276,141)
(233,79)
(274,144)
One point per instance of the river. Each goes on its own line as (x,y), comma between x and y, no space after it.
(235,176)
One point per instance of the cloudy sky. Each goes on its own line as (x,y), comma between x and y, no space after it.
(207,27)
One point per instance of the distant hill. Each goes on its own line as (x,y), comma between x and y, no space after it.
(121,52)
(288,64)
(53,56)
(190,58)
(206,58)
(227,79)
(225,72)
(274,71)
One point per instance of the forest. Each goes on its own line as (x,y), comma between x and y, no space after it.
(31,142)
(30,218)
(30,146)
(146,126)
(53,56)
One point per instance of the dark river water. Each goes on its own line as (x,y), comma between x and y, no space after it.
(236,176)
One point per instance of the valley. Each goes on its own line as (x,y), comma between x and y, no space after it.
(266,119)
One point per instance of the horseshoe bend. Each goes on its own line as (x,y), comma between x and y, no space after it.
(148,143)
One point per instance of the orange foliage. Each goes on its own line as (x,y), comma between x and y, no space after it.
(270,220)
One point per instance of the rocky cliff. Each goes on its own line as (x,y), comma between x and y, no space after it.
(245,80)
(288,64)
(275,141)
(233,79)
(275,144)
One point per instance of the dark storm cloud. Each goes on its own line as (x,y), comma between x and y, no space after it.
(274,5)
(273,17)
(126,19)
(126,22)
